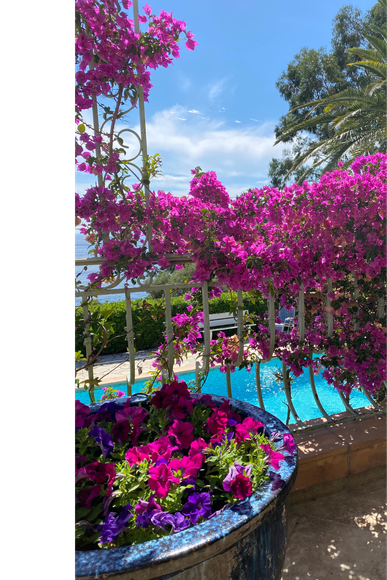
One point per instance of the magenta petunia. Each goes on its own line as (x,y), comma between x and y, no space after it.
(137,454)
(234,470)
(288,444)
(86,496)
(241,487)
(182,431)
(247,428)
(160,479)
(217,422)
(273,457)
(184,467)
(101,472)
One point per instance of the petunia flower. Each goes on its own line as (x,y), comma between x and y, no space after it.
(217,422)
(288,444)
(86,496)
(103,439)
(198,505)
(234,470)
(177,521)
(100,472)
(247,428)
(273,457)
(113,524)
(137,454)
(184,468)
(149,505)
(182,431)
(120,431)
(160,479)
(241,486)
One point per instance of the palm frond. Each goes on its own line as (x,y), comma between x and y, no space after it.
(377,68)
(365,54)
(378,44)
(383,3)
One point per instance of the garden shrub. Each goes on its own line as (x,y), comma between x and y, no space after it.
(149,332)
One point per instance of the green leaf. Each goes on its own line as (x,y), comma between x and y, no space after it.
(81,513)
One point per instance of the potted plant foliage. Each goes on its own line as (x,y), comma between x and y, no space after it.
(165,484)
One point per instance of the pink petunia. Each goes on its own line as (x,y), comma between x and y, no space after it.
(247,428)
(274,456)
(182,431)
(217,422)
(160,479)
(185,466)
(162,448)
(241,487)
(137,454)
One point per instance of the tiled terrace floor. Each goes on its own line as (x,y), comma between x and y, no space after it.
(341,536)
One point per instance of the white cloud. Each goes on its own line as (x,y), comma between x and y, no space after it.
(194,111)
(216,89)
(257,120)
(239,156)
(238,121)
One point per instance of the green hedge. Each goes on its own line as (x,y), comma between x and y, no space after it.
(148,332)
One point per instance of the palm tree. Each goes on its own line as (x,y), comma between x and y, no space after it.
(355,118)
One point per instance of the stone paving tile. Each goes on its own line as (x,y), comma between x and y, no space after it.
(341,536)
(114,367)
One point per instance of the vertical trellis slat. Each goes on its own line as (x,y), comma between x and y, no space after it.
(301,313)
(169,330)
(329,314)
(289,396)
(316,397)
(130,338)
(258,383)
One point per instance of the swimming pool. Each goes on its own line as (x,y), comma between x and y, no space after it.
(244,388)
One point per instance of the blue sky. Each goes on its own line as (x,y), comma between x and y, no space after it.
(217,106)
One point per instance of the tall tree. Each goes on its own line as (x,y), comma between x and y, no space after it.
(311,78)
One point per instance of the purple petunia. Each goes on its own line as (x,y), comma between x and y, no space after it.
(114,524)
(177,521)
(103,439)
(198,505)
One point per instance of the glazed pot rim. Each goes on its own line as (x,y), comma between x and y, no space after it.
(92,563)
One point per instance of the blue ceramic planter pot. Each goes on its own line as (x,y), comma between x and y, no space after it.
(245,542)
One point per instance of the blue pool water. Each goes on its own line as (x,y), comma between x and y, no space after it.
(244,388)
